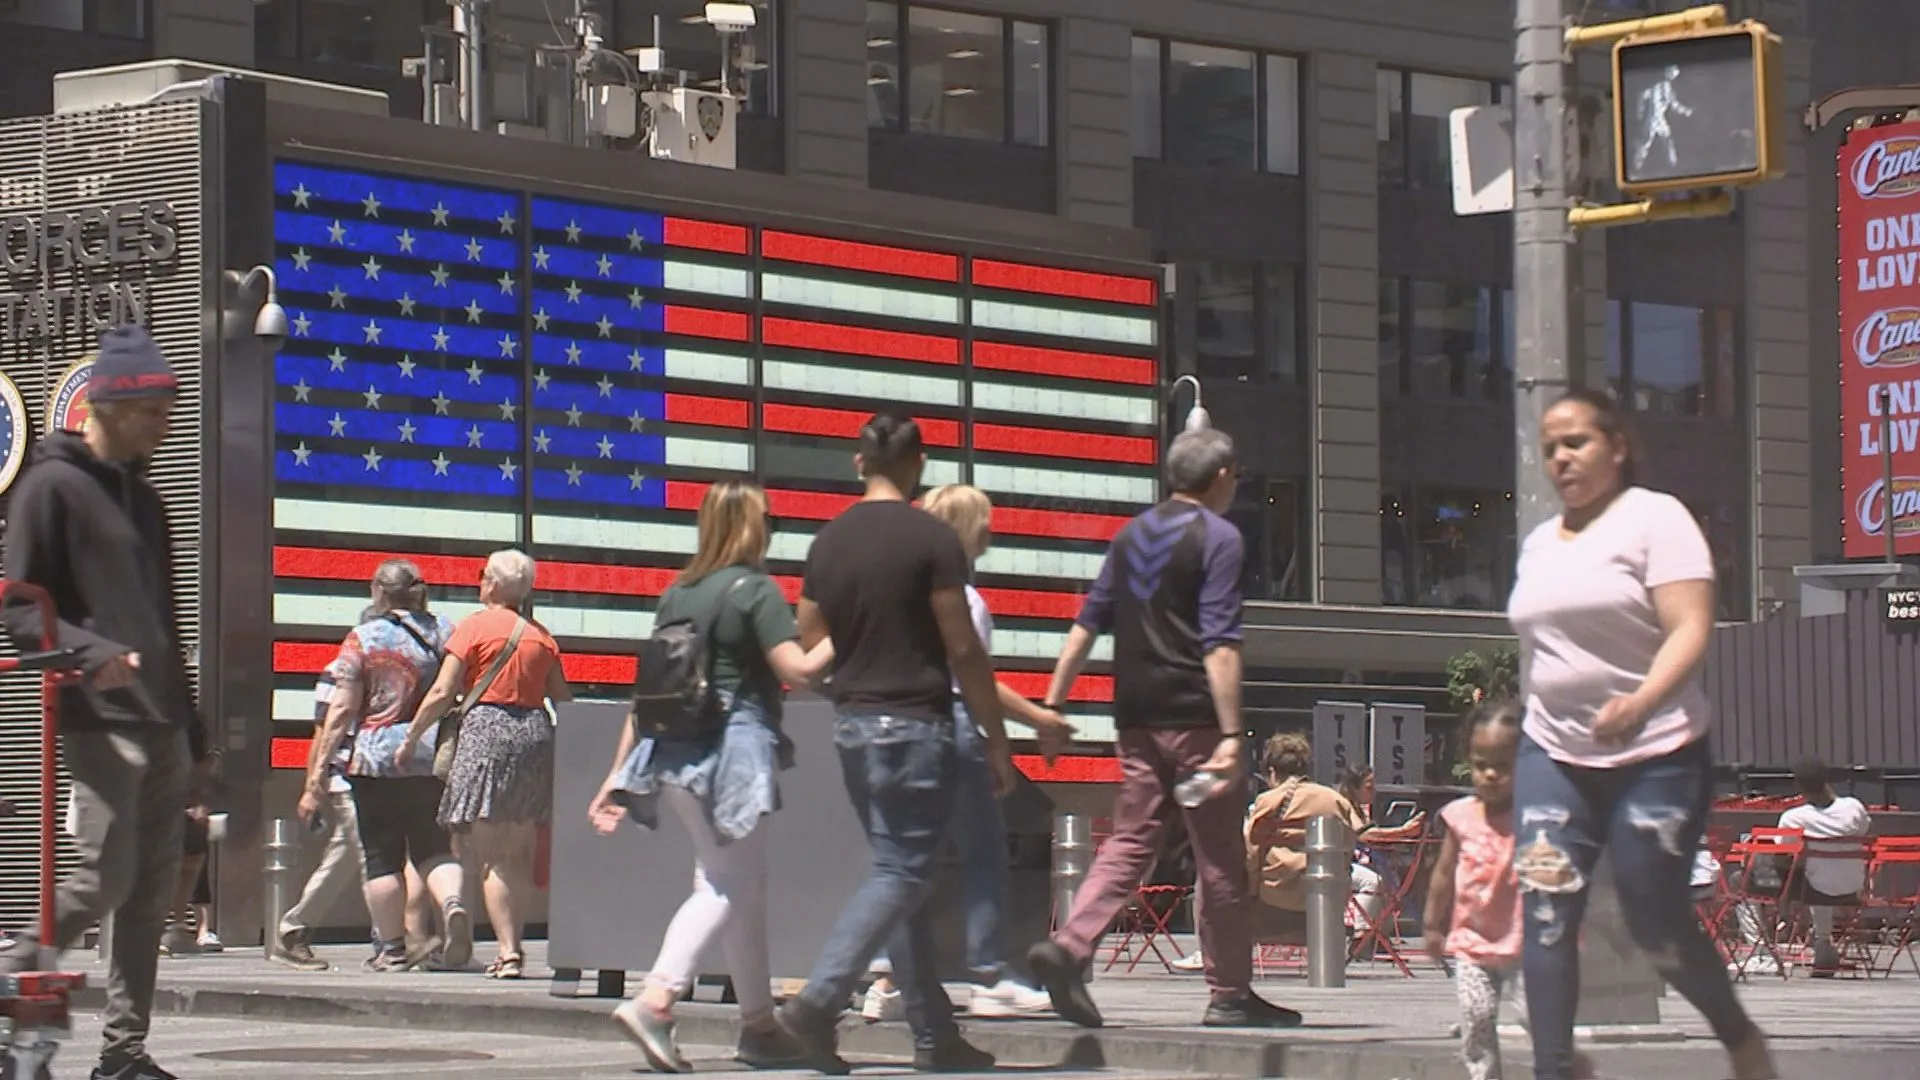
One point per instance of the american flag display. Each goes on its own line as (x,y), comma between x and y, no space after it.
(473,368)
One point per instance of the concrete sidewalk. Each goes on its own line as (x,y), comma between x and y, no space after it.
(1382,1026)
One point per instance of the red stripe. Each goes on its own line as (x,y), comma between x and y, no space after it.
(1074,769)
(1063,363)
(847,255)
(338,564)
(845,423)
(1007,520)
(1130,449)
(586,669)
(700,322)
(289,753)
(1077,284)
(1032,685)
(711,411)
(705,235)
(1031,604)
(856,341)
(302,658)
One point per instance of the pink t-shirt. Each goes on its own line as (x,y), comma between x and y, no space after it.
(1486,894)
(1583,609)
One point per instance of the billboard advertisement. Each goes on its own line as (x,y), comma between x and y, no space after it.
(1879,245)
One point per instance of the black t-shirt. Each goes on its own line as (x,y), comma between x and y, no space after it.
(873,571)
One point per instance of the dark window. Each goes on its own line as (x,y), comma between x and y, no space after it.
(696,48)
(1445,549)
(1413,108)
(1726,529)
(53,14)
(1674,359)
(114,18)
(1271,515)
(1246,320)
(1437,340)
(354,33)
(938,72)
(1207,105)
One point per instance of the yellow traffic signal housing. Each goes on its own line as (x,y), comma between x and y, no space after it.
(1697,108)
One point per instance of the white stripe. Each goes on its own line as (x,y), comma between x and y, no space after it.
(1029,319)
(1043,644)
(617,624)
(864,299)
(698,277)
(297,705)
(1088,728)
(708,366)
(708,454)
(1063,484)
(940,471)
(1032,562)
(609,535)
(373,519)
(1072,404)
(890,386)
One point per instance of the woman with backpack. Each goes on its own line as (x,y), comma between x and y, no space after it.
(704,739)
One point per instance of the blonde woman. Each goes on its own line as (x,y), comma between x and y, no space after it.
(501,785)
(722,788)
(980,831)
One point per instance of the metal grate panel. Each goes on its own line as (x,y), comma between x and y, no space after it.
(71,163)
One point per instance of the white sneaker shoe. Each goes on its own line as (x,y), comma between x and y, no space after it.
(1194,961)
(882,1005)
(1008,998)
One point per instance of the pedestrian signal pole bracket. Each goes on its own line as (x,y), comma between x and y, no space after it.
(1699,18)
(1706,204)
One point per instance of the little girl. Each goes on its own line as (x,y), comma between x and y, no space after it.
(1473,899)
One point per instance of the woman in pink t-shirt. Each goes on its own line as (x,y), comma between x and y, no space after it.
(1613,605)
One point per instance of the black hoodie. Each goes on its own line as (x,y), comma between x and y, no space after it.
(94,535)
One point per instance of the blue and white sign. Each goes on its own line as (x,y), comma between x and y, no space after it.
(13,433)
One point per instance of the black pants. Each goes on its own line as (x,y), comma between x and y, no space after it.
(399,820)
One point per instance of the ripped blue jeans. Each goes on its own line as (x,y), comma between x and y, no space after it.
(1649,817)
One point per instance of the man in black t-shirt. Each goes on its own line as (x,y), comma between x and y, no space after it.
(1170,593)
(886,582)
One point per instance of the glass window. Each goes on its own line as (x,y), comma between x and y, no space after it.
(1397,548)
(1280,319)
(1450,339)
(119,18)
(956,74)
(1283,115)
(1430,99)
(1444,548)
(1616,359)
(1030,81)
(54,14)
(694,47)
(340,31)
(1270,515)
(1146,97)
(883,65)
(1392,337)
(1722,389)
(1211,93)
(1390,111)
(1226,342)
(1725,529)
(1668,357)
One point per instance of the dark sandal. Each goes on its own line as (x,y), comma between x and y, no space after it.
(506,967)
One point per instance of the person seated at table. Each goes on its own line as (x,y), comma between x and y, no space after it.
(1276,830)
(1825,883)
(1357,786)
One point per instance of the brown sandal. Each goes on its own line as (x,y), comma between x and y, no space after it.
(506,967)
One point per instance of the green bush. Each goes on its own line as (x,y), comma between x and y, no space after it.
(1477,674)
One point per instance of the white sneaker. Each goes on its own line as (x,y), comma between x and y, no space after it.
(882,1005)
(1756,965)
(1194,961)
(210,942)
(1008,998)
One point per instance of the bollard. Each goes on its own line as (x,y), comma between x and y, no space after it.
(282,863)
(1329,878)
(1072,858)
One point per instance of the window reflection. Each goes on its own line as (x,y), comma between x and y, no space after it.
(1616,353)
(1269,513)
(1280,342)
(1226,342)
(1430,100)
(53,14)
(883,65)
(1282,114)
(120,18)
(1447,549)
(1451,340)
(1210,91)
(1669,350)
(1390,109)
(957,67)
(1146,97)
(340,31)
(1393,344)
(1030,82)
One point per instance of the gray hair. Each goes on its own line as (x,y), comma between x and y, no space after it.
(511,572)
(1196,457)
(398,586)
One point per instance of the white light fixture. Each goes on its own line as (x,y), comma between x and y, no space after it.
(879,42)
(963,54)
(1197,418)
(960,91)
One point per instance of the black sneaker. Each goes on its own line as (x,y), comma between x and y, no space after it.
(294,950)
(956,1055)
(1251,1011)
(135,1068)
(1065,981)
(768,1048)
(813,1032)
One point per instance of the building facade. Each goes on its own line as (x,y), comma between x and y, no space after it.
(1288,159)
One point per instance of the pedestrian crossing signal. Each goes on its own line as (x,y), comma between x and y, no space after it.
(1697,108)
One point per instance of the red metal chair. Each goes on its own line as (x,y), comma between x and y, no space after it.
(1143,925)
(1763,899)
(1377,937)
(1850,940)
(1889,906)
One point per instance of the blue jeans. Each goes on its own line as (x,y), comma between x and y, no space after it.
(980,841)
(1649,816)
(900,776)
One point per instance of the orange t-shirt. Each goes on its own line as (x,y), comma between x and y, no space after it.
(523,679)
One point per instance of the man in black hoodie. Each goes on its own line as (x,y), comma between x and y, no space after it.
(85,525)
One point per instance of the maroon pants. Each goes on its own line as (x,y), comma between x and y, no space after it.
(1151,763)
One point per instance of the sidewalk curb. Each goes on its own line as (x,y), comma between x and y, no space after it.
(1295,1055)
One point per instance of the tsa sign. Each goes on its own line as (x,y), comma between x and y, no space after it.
(1399,744)
(1339,739)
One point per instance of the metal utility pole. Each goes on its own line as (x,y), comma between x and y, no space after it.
(469,23)
(1549,324)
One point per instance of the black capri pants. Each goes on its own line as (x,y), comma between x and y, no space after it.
(399,819)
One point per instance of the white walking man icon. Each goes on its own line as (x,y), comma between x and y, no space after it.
(1653,106)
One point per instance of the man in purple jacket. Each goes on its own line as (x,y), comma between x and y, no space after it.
(1170,593)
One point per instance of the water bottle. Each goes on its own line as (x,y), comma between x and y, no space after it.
(1198,788)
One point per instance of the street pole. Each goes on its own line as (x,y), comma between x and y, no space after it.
(1886,473)
(470,25)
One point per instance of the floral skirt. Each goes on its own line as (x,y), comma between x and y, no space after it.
(502,770)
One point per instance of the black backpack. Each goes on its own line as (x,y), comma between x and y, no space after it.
(673,689)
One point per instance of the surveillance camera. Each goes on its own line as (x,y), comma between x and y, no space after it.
(270,326)
(730,18)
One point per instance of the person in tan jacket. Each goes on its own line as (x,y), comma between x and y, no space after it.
(1276,829)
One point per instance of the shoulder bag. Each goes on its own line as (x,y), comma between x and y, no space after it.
(448,742)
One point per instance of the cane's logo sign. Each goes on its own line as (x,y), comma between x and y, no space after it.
(67,408)
(1870,510)
(1888,169)
(1889,338)
(13,433)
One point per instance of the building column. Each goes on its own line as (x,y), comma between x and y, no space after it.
(210,31)
(1095,136)
(1343,255)
(823,93)
(1776,217)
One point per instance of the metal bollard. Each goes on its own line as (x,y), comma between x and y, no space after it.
(282,863)
(1329,879)
(1072,858)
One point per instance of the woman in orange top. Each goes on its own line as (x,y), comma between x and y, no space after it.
(501,784)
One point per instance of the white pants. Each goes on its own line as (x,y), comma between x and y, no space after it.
(1480,992)
(1365,883)
(343,866)
(729,899)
